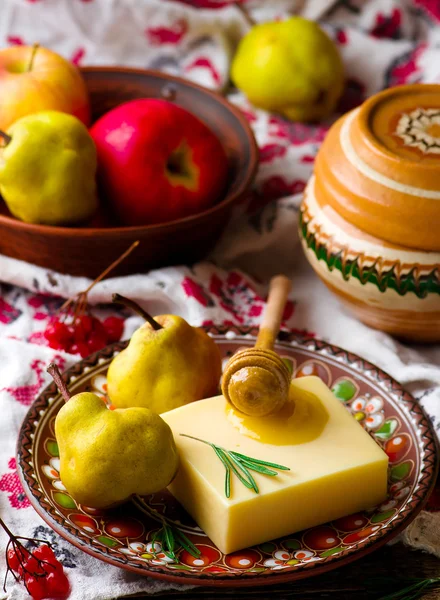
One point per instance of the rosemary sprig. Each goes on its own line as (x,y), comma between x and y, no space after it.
(241,466)
(171,540)
(413,591)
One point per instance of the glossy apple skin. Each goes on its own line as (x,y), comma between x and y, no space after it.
(135,143)
(53,83)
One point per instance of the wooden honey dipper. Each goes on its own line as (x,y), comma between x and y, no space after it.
(256,381)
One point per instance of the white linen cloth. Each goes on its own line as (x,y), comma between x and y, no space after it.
(383,42)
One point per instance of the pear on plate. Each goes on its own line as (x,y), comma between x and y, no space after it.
(168,363)
(106,456)
(48,168)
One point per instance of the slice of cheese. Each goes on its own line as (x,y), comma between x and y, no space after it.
(336,468)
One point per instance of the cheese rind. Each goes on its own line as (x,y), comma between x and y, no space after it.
(337,471)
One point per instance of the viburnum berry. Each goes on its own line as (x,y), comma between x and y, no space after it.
(45,552)
(74,336)
(98,329)
(80,348)
(32,565)
(78,333)
(57,333)
(39,569)
(36,586)
(85,322)
(56,345)
(16,557)
(95,342)
(82,327)
(114,327)
(57,585)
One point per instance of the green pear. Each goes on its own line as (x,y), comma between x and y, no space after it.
(47,169)
(168,363)
(291,67)
(106,456)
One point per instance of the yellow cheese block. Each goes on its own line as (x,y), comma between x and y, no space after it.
(336,468)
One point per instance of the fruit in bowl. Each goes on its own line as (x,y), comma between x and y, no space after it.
(88,249)
(47,169)
(33,79)
(158,162)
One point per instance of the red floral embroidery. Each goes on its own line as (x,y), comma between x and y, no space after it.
(45,306)
(37,338)
(40,316)
(271,151)
(194,290)
(276,187)
(210,3)
(15,40)
(431,7)
(405,68)
(239,299)
(341,37)
(353,95)
(8,313)
(205,63)
(36,301)
(171,34)
(387,26)
(10,483)
(296,133)
(78,55)
(25,394)
(250,116)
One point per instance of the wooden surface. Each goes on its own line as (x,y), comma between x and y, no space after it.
(353,582)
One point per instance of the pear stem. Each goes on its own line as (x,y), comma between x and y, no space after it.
(118,299)
(54,371)
(34,52)
(7,138)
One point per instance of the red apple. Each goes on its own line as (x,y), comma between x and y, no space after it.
(33,79)
(158,162)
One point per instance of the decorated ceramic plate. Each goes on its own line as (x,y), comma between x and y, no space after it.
(130,536)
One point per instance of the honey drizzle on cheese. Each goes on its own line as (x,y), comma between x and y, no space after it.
(301,420)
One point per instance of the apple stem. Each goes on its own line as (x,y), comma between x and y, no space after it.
(54,371)
(118,299)
(31,62)
(7,138)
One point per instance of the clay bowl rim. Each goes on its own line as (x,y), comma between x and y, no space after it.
(245,178)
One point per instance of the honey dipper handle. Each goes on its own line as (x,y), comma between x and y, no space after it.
(279,289)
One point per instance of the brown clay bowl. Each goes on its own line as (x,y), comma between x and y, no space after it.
(88,250)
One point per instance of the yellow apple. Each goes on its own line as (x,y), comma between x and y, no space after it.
(291,67)
(34,79)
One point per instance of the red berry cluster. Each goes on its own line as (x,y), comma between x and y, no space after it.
(84,335)
(75,331)
(40,571)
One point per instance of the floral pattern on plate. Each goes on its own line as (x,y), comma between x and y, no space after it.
(125,536)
